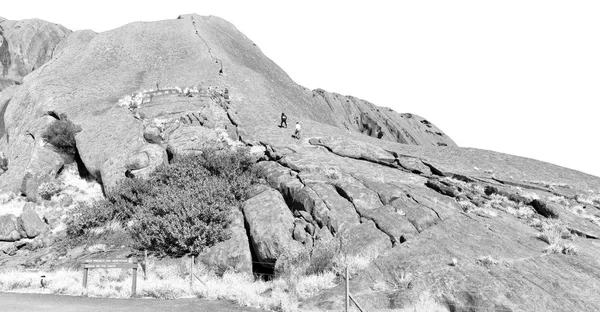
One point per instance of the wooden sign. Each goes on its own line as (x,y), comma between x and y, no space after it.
(111,263)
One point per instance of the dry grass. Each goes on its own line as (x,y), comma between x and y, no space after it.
(487,261)
(559,200)
(559,248)
(590,199)
(171,281)
(333,173)
(355,263)
(579,210)
(554,234)
(80,190)
(518,210)
(469,207)
(474,187)
(550,185)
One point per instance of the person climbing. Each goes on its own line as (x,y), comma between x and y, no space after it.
(283,120)
(297,133)
(3,162)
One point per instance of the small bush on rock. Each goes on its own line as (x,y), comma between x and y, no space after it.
(61,134)
(48,189)
(184,207)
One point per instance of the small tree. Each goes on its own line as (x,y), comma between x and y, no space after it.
(183,207)
(61,134)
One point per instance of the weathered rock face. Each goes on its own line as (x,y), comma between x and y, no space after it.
(233,253)
(25,46)
(380,122)
(271,225)
(375,179)
(152,83)
(9,228)
(30,223)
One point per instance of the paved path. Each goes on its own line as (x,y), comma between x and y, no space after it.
(13,302)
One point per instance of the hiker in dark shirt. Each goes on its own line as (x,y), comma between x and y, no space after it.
(283,120)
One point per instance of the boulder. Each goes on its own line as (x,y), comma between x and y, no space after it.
(270,226)
(300,234)
(9,228)
(44,165)
(414,165)
(548,210)
(7,248)
(152,135)
(30,223)
(441,188)
(149,158)
(190,139)
(234,253)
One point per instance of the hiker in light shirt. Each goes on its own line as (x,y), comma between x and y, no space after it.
(297,133)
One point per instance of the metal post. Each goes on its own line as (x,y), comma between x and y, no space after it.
(347,290)
(145,266)
(85,277)
(133,281)
(192,273)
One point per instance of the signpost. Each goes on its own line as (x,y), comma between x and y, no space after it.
(115,263)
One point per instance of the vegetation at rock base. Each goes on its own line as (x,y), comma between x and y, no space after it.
(183,207)
(61,134)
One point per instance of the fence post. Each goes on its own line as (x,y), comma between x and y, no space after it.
(347,304)
(134,282)
(85,277)
(145,267)
(192,273)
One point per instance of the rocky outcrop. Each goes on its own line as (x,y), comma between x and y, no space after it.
(128,87)
(387,184)
(233,253)
(27,225)
(26,45)
(9,228)
(30,223)
(270,226)
(380,122)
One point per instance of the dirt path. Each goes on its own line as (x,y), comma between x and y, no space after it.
(10,302)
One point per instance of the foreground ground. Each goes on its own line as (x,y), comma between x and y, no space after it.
(50,303)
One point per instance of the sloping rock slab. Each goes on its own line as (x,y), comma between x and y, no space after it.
(190,139)
(233,253)
(524,279)
(392,222)
(270,224)
(356,149)
(422,217)
(337,209)
(365,239)
(361,197)
(30,222)
(9,228)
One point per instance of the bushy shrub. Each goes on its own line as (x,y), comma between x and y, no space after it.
(184,207)
(48,189)
(61,134)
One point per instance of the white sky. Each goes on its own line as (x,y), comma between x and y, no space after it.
(520,77)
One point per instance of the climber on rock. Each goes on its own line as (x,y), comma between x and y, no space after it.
(297,133)
(3,162)
(283,120)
